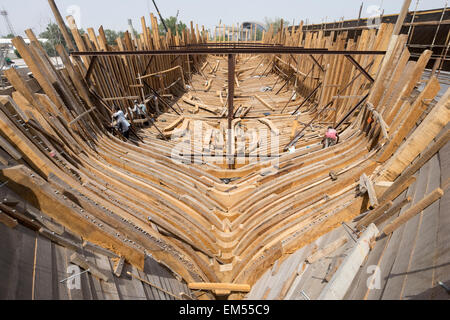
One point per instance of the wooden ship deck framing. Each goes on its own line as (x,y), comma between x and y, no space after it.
(228,193)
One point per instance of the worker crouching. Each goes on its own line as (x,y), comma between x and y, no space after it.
(140,111)
(331,138)
(120,122)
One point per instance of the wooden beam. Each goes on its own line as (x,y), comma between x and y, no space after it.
(65,212)
(264,102)
(372,215)
(119,267)
(81,116)
(8,221)
(392,211)
(61,24)
(414,210)
(370,190)
(16,155)
(90,69)
(401,17)
(220,286)
(88,266)
(343,278)
(418,141)
(324,252)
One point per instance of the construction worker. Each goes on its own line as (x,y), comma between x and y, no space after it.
(155,100)
(120,122)
(140,110)
(331,138)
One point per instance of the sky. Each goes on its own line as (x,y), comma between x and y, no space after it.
(114,14)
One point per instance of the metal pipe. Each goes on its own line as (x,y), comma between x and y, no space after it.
(241,50)
(159,13)
(231,73)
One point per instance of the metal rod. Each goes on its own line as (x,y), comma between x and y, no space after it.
(160,16)
(91,68)
(73,276)
(231,73)
(290,99)
(307,99)
(440,21)
(285,83)
(160,98)
(241,50)
(299,134)
(360,68)
(351,111)
(317,63)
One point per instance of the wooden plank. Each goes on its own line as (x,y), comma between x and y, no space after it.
(10,149)
(61,24)
(119,267)
(43,281)
(324,252)
(392,211)
(264,102)
(402,255)
(97,249)
(94,283)
(219,286)
(411,212)
(110,288)
(422,266)
(342,279)
(17,263)
(62,210)
(60,272)
(430,127)
(138,286)
(370,190)
(8,221)
(416,110)
(86,265)
(62,241)
(386,259)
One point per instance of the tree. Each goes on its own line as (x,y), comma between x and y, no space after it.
(10,36)
(54,36)
(276,23)
(173,24)
(112,36)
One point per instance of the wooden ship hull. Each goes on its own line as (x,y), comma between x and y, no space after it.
(189,209)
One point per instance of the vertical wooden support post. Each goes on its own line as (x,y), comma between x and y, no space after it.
(394,38)
(401,17)
(62,25)
(231,73)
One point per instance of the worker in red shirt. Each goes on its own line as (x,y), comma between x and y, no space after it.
(331,138)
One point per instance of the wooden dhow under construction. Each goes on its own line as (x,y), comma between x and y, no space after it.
(229,192)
